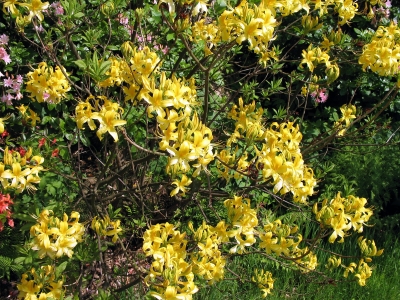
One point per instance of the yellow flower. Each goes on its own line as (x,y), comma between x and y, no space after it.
(35,8)
(349,112)
(108,120)
(33,117)
(27,289)
(55,238)
(10,5)
(264,280)
(17,175)
(180,185)
(2,123)
(309,57)
(84,113)
(181,156)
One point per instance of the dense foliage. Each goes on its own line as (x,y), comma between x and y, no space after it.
(148,146)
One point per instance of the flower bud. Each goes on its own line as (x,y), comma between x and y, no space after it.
(332,72)
(107,9)
(310,24)
(8,160)
(127,49)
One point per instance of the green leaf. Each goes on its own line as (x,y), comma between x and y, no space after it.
(81,64)
(51,190)
(24,217)
(61,268)
(56,184)
(170,36)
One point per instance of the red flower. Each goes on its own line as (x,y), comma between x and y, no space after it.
(42,142)
(4,134)
(22,151)
(54,142)
(5,203)
(55,152)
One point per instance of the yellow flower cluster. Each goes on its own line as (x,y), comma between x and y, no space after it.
(174,267)
(18,172)
(243,220)
(264,280)
(279,239)
(47,85)
(54,237)
(189,141)
(208,261)
(333,262)
(170,275)
(255,24)
(130,72)
(368,249)
(362,271)
(106,227)
(106,112)
(34,7)
(251,23)
(348,113)
(343,214)
(2,122)
(170,100)
(208,33)
(169,93)
(314,56)
(382,54)
(346,9)
(278,158)
(40,285)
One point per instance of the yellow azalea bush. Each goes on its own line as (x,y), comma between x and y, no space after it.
(216,109)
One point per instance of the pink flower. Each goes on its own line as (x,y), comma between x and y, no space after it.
(39,28)
(8,82)
(122,19)
(4,56)
(3,39)
(58,9)
(165,50)
(320,96)
(16,86)
(18,96)
(7,99)
(19,79)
